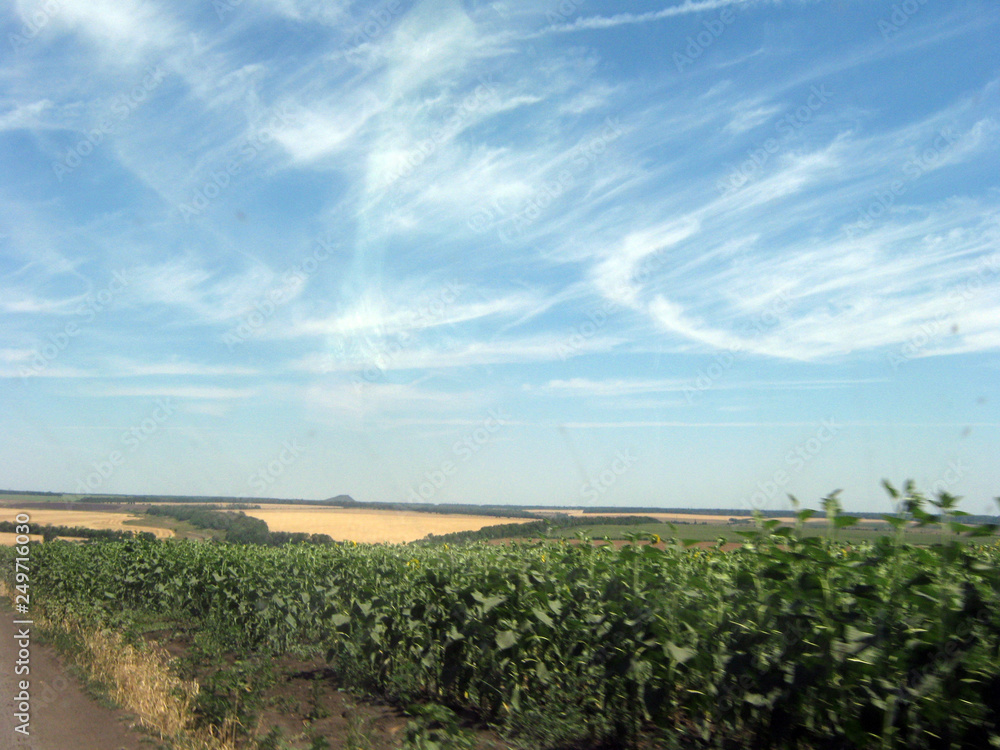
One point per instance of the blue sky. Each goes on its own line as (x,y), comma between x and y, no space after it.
(685,254)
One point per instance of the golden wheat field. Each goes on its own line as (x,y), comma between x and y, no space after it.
(371,526)
(7,539)
(91,519)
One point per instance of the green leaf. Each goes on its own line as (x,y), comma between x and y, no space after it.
(542,671)
(852,634)
(542,616)
(506,639)
(339,620)
(488,602)
(677,653)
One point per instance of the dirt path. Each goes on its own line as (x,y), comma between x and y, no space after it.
(62,716)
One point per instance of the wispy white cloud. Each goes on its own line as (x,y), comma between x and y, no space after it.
(616,387)
(15,355)
(323,131)
(174,391)
(385,315)
(384,399)
(188,284)
(55,371)
(23,301)
(326,12)
(749,116)
(614,275)
(123,31)
(866,285)
(25,116)
(120,367)
(627,19)
(208,408)
(389,355)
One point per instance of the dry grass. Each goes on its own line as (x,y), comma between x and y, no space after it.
(372,526)
(91,519)
(137,679)
(140,681)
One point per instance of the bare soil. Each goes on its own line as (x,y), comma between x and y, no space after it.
(308,701)
(62,714)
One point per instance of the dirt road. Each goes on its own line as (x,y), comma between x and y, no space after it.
(62,716)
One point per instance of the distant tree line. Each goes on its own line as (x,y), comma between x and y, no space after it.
(49,532)
(539,528)
(707,511)
(212,502)
(239,528)
(340,501)
(28,492)
(864,515)
(207,506)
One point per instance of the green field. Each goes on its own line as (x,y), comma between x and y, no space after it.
(790,641)
(817,635)
(182,529)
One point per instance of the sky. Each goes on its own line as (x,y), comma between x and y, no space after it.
(700,254)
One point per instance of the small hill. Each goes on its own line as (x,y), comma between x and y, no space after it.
(341,500)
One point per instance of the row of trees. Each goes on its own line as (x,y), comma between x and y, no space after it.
(239,528)
(49,532)
(533,529)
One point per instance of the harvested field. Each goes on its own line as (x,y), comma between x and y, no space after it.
(7,539)
(87,518)
(59,505)
(372,526)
